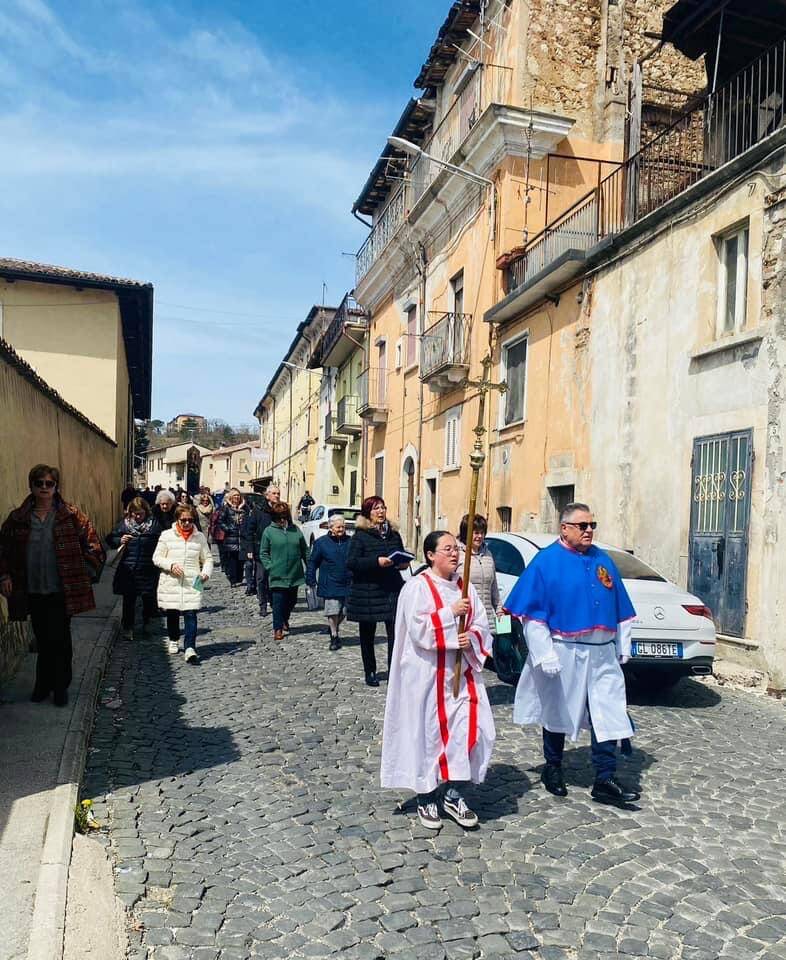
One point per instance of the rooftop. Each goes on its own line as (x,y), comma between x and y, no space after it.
(135,299)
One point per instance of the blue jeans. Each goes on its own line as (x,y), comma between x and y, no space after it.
(603,753)
(189,626)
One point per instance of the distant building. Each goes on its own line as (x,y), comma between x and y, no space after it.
(186,420)
(237,465)
(173,464)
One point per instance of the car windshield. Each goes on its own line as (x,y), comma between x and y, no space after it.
(350,513)
(631,568)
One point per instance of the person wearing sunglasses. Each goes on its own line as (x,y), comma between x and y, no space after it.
(50,555)
(578,618)
(186,562)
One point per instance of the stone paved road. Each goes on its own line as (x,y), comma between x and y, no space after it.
(244,819)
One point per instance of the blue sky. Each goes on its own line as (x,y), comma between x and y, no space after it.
(213,149)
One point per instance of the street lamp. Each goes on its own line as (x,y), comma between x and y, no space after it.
(408,147)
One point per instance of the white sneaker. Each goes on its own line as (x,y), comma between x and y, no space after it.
(191,655)
(173,646)
(460,812)
(429,817)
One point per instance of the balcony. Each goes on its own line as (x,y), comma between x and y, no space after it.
(476,131)
(348,418)
(373,387)
(343,336)
(332,436)
(725,125)
(444,353)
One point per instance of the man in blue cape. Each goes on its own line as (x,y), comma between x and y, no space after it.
(577,616)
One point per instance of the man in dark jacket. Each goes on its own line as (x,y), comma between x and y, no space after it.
(258,519)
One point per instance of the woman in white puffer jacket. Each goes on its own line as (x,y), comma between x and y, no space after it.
(186,563)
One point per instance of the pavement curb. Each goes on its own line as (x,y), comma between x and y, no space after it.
(48,923)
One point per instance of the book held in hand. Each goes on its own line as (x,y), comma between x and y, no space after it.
(400,557)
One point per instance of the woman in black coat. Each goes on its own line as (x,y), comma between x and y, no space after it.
(230,525)
(376,581)
(135,575)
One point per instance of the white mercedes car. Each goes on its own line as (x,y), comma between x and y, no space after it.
(316,525)
(673,633)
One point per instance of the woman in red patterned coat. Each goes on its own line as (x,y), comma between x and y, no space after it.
(49,555)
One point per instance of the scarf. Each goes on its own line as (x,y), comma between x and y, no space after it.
(138,529)
(185,534)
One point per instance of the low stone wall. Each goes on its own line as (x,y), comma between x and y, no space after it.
(38,426)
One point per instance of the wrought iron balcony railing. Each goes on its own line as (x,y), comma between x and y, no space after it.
(373,388)
(724,125)
(332,435)
(445,345)
(347,417)
(349,321)
(484,84)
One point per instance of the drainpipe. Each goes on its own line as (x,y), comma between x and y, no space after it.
(289,457)
(422,266)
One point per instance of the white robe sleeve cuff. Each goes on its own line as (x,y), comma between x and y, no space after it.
(539,642)
(623,638)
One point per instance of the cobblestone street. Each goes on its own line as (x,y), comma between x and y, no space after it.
(243,814)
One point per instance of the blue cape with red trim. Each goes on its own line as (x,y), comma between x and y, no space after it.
(571,592)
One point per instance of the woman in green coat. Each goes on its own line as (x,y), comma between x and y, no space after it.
(283,553)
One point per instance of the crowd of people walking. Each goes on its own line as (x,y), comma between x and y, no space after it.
(438,729)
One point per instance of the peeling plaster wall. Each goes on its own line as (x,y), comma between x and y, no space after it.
(654,391)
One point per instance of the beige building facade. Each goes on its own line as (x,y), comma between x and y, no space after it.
(533,117)
(238,466)
(174,465)
(289,413)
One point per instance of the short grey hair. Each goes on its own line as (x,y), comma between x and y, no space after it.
(570,509)
(163,495)
(334,518)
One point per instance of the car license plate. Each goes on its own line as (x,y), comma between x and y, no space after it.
(646,648)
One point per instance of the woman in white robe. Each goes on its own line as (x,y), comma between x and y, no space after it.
(430,737)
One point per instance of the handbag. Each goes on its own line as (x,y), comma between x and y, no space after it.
(313,601)
(510,653)
(217,532)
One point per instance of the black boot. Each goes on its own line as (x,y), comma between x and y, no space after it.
(39,694)
(613,792)
(334,644)
(371,679)
(552,779)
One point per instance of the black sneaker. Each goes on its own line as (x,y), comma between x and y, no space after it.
(334,644)
(459,811)
(429,817)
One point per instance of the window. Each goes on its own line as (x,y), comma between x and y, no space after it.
(514,363)
(379,474)
(452,439)
(398,354)
(732,280)
(412,335)
(507,558)
(560,498)
(505,515)
(457,289)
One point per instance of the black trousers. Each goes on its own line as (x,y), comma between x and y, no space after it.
(232,563)
(283,600)
(367,629)
(149,607)
(52,629)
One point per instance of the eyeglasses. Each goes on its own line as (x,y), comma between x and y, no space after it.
(44,483)
(447,550)
(183,520)
(592,524)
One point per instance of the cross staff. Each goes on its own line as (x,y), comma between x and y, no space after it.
(476,460)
